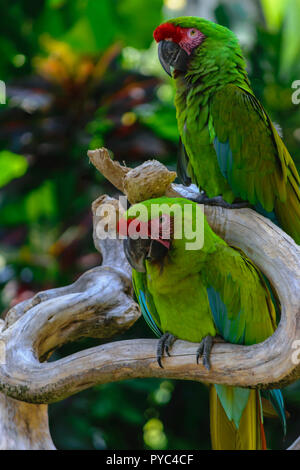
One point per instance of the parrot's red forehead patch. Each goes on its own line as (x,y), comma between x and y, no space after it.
(168,31)
(125,225)
(160,228)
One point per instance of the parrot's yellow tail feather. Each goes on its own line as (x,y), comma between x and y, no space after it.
(224,433)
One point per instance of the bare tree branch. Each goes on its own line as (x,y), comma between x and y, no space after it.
(23,426)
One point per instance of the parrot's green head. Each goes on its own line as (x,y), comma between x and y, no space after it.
(165,230)
(188,43)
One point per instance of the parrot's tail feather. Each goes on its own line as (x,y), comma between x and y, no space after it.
(288,212)
(275,401)
(226,435)
(263,436)
(261,421)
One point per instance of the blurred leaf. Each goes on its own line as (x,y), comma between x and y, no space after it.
(137,21)
(274,11)
(95,30)
(56,3)
(82,39)
(11,166)
(40,202)
(105,21)
(290,49)
(131,414)
(161,119)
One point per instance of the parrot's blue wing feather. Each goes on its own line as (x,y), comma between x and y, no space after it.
(225,158)
(146,302)
(276,398)
(147,315)
(269,215)
(232,330)
(225,161)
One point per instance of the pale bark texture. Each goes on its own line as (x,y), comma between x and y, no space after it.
(99,304)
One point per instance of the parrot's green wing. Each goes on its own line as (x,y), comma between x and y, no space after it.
(241,318)
(183,166)
(146,302)
(253,158)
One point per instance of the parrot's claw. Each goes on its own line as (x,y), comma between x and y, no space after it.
(164,345)
(219,201)
(204,350)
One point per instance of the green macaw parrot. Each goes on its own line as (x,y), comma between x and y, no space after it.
(196,294)
(230,148)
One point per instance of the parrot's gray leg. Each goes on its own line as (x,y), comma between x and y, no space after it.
(169,343)
(219,201)
(164,345)
(204,350)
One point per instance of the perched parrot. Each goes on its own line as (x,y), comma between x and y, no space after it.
(197,294)
(230,148)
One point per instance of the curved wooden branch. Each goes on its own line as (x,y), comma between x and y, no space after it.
(23,426)
(99,304)
(274,362)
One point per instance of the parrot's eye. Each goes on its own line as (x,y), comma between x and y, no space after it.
(164,222)
(192,33)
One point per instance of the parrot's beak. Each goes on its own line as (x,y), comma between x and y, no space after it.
(136,252)
(170,55)
(139,250)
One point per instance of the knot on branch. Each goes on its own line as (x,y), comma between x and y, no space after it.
(147,181)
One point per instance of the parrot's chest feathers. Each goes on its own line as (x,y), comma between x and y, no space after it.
(164,281)
(196,129)
(176,269)
(183,308)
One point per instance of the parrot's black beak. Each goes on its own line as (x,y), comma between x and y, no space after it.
(136,252)
(139,250)
(170,55)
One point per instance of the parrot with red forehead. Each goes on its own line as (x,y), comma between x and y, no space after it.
(195,293)
(229,146)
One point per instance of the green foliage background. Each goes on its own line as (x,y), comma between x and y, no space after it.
(84,73)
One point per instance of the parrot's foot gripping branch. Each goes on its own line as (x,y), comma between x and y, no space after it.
(164,345)
(167,340)
(204,350)
(219,201)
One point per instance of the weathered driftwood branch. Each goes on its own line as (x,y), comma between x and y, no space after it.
(272,363)
(23,426)
(99,304)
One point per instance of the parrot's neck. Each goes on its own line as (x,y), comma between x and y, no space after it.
(195,90)
(205,77)
(181,263)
